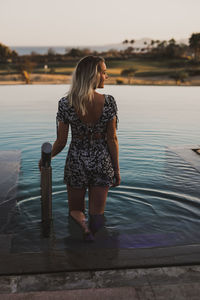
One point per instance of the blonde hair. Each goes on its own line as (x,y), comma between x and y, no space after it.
(85,80)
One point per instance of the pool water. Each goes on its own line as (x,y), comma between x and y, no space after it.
(158,201)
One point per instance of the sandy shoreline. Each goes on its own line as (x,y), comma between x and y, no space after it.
(16,79)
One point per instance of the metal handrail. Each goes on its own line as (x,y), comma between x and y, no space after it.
(46,189)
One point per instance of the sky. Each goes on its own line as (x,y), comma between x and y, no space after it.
(95,22)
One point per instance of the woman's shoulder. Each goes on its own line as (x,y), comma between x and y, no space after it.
(64,101)
(109,99)
(110,107)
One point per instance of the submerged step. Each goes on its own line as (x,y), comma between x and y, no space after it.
(189,153)
(9,172)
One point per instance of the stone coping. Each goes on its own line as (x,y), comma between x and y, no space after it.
(97,259)
(150,278)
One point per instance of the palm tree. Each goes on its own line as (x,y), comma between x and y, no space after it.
(172,41)
(129,51)
(179,76)
(5,53)
(147,45)
(157,42)
(125,42)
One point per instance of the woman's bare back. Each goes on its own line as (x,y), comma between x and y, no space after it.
(94,109)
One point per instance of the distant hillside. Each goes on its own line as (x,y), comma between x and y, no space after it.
(137,44)
(26,50)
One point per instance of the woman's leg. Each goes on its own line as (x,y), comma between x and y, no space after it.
(76,202)
(76,199)
(97,199)
(97,202)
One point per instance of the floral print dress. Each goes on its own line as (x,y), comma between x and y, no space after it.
(88,162)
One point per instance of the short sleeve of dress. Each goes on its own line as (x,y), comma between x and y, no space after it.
(113,110)
(62,111)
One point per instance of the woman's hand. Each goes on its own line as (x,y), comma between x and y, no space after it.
(117,179)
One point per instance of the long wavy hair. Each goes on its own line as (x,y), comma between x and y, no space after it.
(85,79)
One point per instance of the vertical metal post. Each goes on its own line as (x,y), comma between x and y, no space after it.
(46,188)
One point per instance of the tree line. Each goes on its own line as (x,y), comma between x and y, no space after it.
(11,62)
(160,49)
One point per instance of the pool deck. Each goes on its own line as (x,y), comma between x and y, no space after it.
(141,283)
(150,273)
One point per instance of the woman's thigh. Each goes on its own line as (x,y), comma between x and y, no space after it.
(97,199)
(76,198)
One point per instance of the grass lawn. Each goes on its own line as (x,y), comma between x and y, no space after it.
(145,67)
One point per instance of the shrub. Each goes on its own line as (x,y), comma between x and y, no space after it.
(119,81)
(52,71)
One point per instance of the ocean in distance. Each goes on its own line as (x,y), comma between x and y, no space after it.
(27,50)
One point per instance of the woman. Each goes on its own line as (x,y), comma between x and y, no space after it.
(92,161)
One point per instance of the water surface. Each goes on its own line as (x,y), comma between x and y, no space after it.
(157,203)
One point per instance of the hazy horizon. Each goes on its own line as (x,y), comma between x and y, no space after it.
(93,45)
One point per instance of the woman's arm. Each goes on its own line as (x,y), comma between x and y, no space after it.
(113,147)
(61,140)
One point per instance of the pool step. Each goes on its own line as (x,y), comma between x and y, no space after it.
(188,154)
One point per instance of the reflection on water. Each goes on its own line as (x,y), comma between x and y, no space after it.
(157,203)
